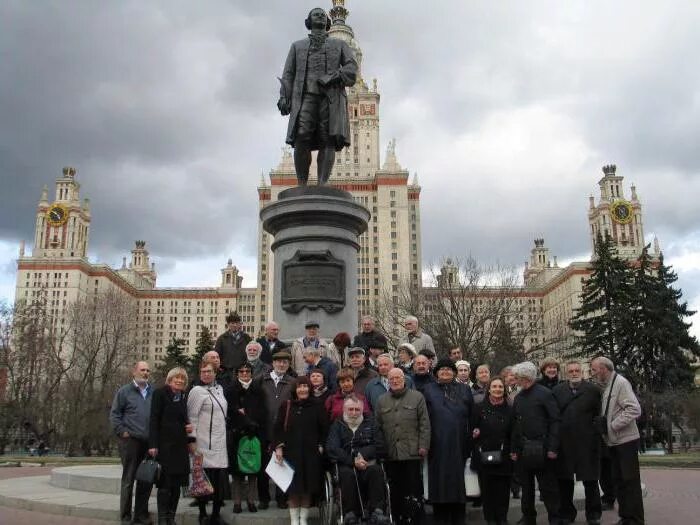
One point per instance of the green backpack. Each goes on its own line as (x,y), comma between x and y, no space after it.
(249,455)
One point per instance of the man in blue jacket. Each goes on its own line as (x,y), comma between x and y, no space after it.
(129,417)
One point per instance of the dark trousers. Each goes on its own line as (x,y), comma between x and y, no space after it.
(448,513)
(549,491)
(567,510)
(625,475)
(495,496)
(371,483)
(606,482)
(168,497)
(132,452)
(406,483)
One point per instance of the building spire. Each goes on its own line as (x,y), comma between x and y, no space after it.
(339,29)
(338,12)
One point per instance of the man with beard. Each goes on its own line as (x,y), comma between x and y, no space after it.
(355,443)
(619,411)
(579,453)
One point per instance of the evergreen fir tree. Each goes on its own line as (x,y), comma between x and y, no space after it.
(604,316)
(174,356)
(662,344)
(205,343)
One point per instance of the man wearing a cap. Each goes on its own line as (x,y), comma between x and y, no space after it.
(231,344)
(311,339)
(277,389)
(358,362)
(417,337)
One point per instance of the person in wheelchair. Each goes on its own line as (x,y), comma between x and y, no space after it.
(355,444)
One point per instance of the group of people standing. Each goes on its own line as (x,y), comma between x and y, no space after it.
(380,415)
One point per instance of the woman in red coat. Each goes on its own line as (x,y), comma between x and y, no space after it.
(346,385)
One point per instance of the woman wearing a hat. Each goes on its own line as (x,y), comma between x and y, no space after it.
(406,353)
(449,405)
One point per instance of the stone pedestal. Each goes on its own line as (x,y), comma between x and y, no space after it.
(315,248)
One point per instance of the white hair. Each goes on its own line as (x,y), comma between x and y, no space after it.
(607,363)
(526,370)
(411,318)
(385,356)
(311,350)
(254,344)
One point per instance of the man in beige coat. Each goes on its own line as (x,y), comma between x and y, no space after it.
(620,408)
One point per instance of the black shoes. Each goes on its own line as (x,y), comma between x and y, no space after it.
(237,508)
(252,507)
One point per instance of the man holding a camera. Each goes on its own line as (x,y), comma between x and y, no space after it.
(617,422)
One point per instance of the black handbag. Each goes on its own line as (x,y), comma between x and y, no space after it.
(148,471)
(491,457)
(532,456)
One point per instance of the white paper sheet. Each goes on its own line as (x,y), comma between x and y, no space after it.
(281,475)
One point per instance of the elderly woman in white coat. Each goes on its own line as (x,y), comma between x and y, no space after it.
(206,408)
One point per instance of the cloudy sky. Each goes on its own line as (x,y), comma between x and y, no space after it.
(506,110)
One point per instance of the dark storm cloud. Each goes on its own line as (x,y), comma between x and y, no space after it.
(507,111)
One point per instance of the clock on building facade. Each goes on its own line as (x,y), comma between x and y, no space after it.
(622,212)
(57,215)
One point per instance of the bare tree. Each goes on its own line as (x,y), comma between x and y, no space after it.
(103,341)
(464,304)
(62,371)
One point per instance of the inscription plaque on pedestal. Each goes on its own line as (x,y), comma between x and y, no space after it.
(313,279)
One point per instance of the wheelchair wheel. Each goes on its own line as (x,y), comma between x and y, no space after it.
(328,509)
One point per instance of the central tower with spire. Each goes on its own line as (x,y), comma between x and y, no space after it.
(390,249)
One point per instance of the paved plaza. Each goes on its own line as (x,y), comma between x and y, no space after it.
(672,497)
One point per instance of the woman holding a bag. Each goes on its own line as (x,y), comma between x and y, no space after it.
(300,431)
(167,441)
(206,407)
(493,423)
(247,417)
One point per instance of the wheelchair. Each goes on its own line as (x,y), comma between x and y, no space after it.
(330,505)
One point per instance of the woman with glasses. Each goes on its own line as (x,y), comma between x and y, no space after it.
(207,409)
(247,417)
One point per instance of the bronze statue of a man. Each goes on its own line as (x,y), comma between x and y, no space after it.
(312,93)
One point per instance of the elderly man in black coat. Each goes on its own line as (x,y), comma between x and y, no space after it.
(535,444)
(579,453)
(355,443)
